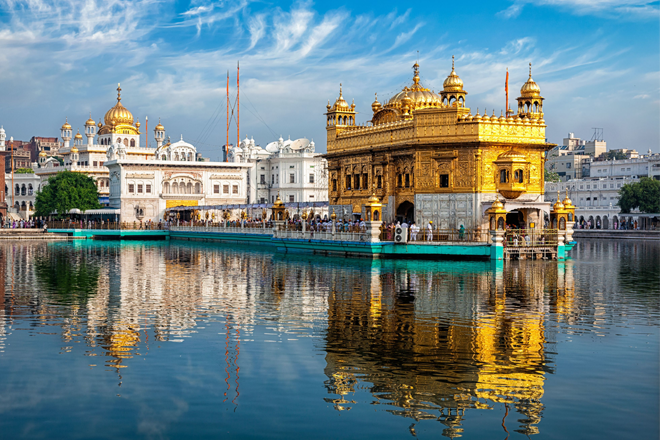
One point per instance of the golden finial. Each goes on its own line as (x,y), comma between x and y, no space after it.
(118,92)
(452,63)
(340,93)
(530,70)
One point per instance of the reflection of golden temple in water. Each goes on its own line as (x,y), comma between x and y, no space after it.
(427,340)
(433,356)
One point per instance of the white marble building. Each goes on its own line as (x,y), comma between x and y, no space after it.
(144,188)
(291,168)
(21,193)
(88,157)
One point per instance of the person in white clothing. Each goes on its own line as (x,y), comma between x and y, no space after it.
(429,231)
(413,232)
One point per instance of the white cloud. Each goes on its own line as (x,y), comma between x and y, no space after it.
(639,9)
(257,28)
(643,96)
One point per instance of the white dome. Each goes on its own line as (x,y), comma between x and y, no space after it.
(273,147)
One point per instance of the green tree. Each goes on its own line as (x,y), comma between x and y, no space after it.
(66,191)
(24,171)
(551,176)
(644,195)
(613,155)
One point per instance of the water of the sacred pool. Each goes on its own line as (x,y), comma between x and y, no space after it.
(173,340)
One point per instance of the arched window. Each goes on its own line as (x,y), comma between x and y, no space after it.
(119,140)
(357,181)
(500,223)
(348,181)
(132,142)
(198,188)
(518,176)
(30,189)
(126,142)
(190,158)
(407,180)
(23,190)
(189,188)
(176,156)
(379,181)
(166,187)
(163,157)
(503,176)
(334,184)
(175,188)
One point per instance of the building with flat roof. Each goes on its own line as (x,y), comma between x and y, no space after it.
(144,188)
(570,160)
(292,169)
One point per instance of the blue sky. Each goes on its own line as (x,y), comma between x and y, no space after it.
(597,62)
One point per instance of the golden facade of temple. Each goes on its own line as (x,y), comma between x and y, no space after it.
(428,157)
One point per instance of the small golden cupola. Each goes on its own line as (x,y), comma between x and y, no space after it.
(376,105)
(340,114)
(530,102)
(452,93)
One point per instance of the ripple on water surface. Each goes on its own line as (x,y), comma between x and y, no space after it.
(179,340)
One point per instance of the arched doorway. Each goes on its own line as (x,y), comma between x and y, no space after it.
(405,212)
(606,222)
(515,219)
(591,222)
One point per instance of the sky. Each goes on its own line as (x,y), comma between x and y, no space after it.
(597,63)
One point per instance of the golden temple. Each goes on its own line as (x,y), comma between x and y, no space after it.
(428,157)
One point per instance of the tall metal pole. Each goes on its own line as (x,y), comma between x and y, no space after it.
(238,103)
(227,143)
(146,121)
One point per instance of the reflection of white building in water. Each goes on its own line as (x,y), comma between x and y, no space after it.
(291,168)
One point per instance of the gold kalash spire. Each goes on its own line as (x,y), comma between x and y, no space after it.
(118,119)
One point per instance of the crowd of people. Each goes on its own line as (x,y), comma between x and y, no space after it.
(22,224)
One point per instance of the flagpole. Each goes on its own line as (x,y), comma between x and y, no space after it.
(227,143)
(506,90)
(238,104)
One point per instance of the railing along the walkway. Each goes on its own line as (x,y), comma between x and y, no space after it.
(531,238)
(220,228)
(441,236)
(105,225)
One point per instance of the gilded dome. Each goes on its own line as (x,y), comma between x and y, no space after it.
(66,125)
(78,136)
(568,204)
(341,104)
(420,97)
(118,115)
(376,105)
(90,121)
(159,127)
(74,149)
(42,153)
(530,89)
(453,83)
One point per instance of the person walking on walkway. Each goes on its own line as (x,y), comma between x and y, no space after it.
(429,231)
